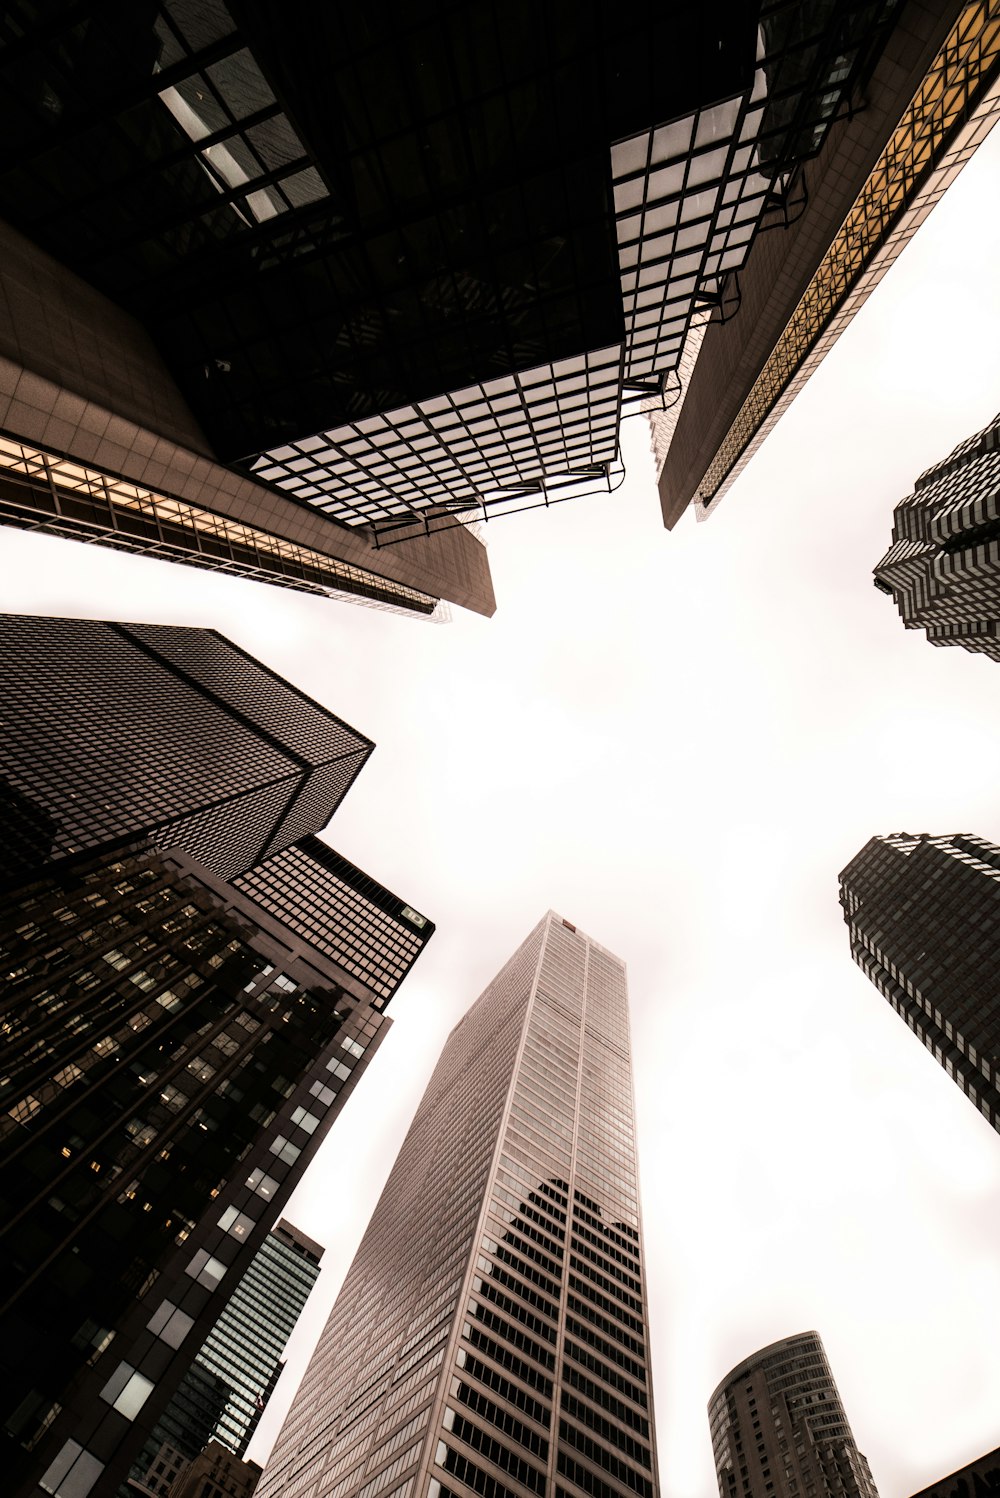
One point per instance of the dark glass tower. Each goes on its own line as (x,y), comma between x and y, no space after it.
(114,730)
(243,1351)
(779,1429)
(924,920)
(491,1336)
(172,1062)
(943,567)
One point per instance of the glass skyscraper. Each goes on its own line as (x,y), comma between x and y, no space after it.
(924,920)
(115,730)
(943,567)
(242,1354)
(779,1429)
(491,1336)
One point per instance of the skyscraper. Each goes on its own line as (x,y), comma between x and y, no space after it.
(779,1429)
(175,1050)
(491,1336)
(842,218)
(274,308)
(979,1479)
(173,1059)
(943,567)
(115,730)
(243,1351)
(924,917)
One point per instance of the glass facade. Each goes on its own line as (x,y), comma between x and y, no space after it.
(954,108)
(242,1353)
(779,1429)
(943,567)
(429,277)
(170,1069)
(923,914)
(342,912)
(491,1335)
(113,731)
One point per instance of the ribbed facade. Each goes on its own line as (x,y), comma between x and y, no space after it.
(491,1336)
(779,1429)
(241,1355)
(924,918)
(943,567)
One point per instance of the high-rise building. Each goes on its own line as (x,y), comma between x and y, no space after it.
(174,1049)
(924,919)
(839,223)
(259,307)
(979,1479)
(779,1429)
(214,1473)
(114,730)
(943,567)
(244,1348)
(173,1059)
(491,1337)
(341,911)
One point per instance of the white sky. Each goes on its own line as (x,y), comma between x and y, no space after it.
(677,741)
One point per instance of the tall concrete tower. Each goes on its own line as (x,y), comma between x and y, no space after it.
(491,1336)
(779,1429)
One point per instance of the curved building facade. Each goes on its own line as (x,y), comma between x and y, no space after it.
(779,1429)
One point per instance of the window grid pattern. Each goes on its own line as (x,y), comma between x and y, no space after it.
(923,914)
(562,1185)
(924,154)
(778,1426)
(340,911)
(550,431)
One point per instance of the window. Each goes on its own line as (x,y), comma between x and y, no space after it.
(72,1474)
(237,1223)
(307,1121)
(206,1270)
(289,1153)
(127,1391)
(263,1185)
(170,1324)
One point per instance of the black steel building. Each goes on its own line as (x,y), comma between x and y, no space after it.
(340,911)
(172,1061)
(388,270)
(114,730)
(924,920)
(943,567)
(174,1049)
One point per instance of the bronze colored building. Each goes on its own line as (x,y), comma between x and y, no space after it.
(779,1429)
(931,97)
(491,1336)
(979,1479)
(924,919)
(943,567)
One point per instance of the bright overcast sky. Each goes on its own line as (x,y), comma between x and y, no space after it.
(677,741)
